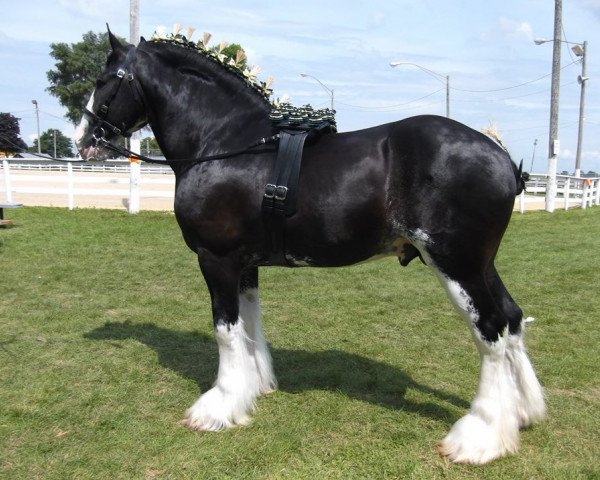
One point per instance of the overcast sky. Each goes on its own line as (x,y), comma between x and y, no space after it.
(497,73)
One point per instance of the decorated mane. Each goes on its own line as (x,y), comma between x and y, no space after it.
(283,115)
(201,46)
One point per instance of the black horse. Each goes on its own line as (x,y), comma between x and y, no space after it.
(425,187)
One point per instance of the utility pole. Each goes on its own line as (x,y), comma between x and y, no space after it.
(54,137)
(582,80)
(134,143)
(553,142)
(37,118)
(134,24)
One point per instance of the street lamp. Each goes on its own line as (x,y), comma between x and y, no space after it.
(37,117)
(325,87)
(533,155)
(580,50)
(435,75)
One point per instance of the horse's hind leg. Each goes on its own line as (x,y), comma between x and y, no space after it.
(491,428)
(230,401)
(531,406)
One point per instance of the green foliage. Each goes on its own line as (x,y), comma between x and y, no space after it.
(149,146)
(230,52)
(64,145)
(107,338)
(10,135)
(76,69)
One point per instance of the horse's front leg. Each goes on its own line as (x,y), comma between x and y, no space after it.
(250,314)
(231,400)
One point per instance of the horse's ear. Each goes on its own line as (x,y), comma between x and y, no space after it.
(114,41)
(142,39)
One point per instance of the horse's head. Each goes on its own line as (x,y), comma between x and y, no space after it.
(115,107)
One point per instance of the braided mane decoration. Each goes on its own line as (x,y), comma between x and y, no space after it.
(282,114)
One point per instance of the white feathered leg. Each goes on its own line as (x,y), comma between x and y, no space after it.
(231,401)
(491,428)
(531,405)
(257,345)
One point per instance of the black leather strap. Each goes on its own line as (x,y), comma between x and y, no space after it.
(279,200)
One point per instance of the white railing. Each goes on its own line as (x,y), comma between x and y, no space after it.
(113,166)
(112,185)
(570,191)
(71,186)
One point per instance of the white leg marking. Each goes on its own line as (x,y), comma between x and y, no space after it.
(531,405)
(491,428)
(231,401)
(257,345)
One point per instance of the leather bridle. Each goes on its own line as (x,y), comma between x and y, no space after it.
(100,123)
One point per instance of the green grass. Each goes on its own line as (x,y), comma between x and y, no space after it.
(106,338)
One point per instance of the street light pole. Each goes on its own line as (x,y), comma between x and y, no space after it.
(447,96)
(435,75)
(580,50)
(582,80)
(325,87)
(37,118)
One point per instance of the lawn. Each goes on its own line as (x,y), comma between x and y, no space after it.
(106,339)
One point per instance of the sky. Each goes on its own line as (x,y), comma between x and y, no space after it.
(497,74)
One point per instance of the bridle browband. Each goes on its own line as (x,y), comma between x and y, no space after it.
(101,125)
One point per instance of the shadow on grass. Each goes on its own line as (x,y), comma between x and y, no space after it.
(194,355)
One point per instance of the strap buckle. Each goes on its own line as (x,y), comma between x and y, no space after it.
(122,73)
(278,192)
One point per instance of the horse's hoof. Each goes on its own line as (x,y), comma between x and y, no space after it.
(472,440)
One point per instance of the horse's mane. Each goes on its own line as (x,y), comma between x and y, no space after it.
(234,66)
(282,114)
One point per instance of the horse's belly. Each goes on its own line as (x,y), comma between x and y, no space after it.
(351,253)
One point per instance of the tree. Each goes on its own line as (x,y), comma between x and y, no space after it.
(77,67)
(64,147)
(230,52)
(149,146)
(10,135)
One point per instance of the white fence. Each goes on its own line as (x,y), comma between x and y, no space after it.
(150,187)
(83,185)
(571,192)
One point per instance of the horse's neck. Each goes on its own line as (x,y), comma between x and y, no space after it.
(196,115)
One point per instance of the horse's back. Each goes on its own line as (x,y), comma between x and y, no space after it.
(416,162)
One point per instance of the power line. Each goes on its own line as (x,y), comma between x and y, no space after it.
(485,99)
(514,86)
(391,107)
(55,116)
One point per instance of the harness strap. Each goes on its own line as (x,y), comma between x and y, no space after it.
(279,200)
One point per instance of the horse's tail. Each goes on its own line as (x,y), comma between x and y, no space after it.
(520,176)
